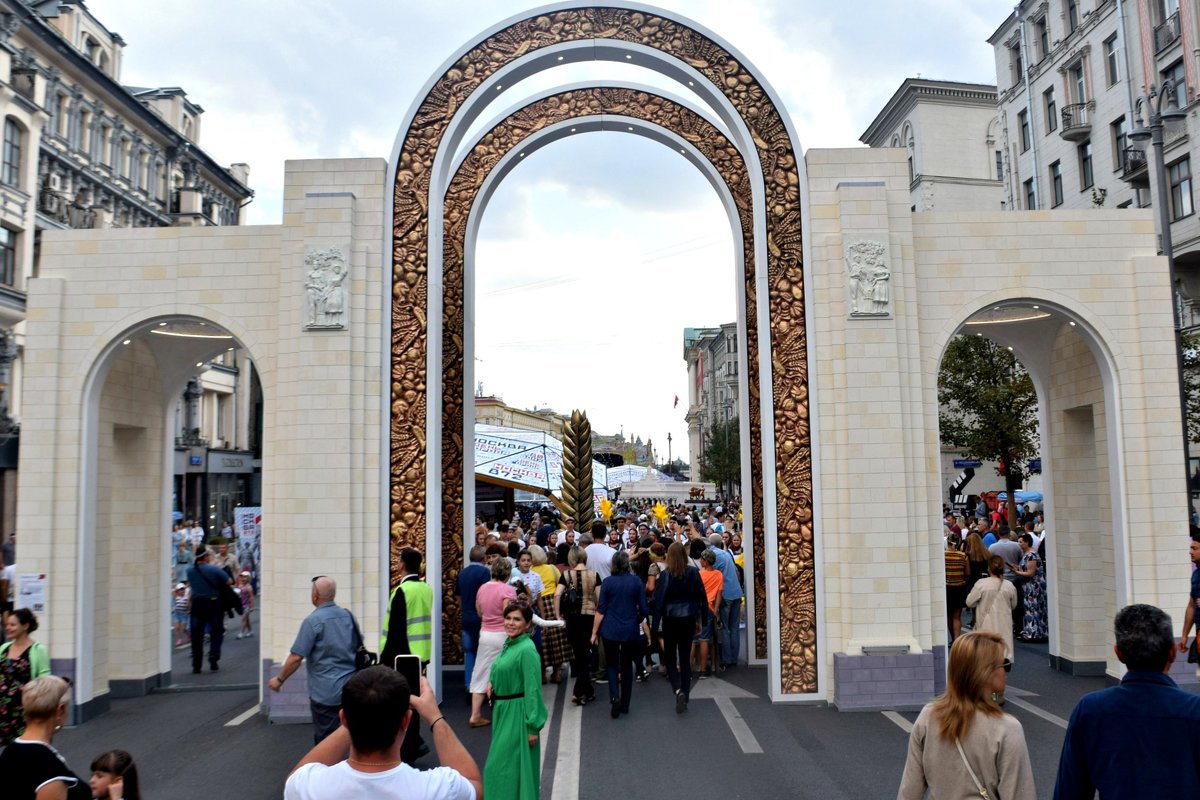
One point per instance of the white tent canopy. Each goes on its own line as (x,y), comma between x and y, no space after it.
(523,459)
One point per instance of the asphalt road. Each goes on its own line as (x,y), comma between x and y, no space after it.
(186,746)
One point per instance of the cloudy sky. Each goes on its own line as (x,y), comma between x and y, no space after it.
(596,252)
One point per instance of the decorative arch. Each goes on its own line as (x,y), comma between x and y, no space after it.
(418,329)
(472,177)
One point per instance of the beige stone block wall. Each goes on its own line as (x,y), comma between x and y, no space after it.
(874,389)
(130,578)
(323,427)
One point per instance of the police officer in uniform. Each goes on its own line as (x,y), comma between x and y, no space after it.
(411,605)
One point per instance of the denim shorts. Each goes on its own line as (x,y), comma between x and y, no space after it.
(181,618)
(706,631)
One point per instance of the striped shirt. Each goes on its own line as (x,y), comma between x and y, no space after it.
(957,568)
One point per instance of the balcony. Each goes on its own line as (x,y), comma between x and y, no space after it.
(1076,122)
(1166,34)
(1133,167)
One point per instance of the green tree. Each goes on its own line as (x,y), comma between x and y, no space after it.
(1191,383)
(988,408)
(721,462)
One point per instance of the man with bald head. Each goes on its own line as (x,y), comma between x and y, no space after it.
(327,640)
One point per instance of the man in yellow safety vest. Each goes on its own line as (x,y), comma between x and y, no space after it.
(411,605)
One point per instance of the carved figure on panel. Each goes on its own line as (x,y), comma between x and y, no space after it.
(868,279)
(325,296)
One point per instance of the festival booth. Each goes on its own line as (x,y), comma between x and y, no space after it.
(526,460)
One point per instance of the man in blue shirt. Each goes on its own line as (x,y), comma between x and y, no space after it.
(1139,739)
(731,599)
(206,581)
(328,639)
(470,578)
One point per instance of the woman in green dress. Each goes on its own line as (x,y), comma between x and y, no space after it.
(513,767)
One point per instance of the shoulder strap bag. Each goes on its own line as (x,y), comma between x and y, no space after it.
(975,778)
(363,657)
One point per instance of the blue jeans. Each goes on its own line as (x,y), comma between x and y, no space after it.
(731,618)
(470,645)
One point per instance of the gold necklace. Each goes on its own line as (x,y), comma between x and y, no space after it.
(354,761)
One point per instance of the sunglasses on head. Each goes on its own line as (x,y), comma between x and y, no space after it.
(318,577)
(1007,665)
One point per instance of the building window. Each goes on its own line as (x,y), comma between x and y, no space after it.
(1072,15)
(1018,71)
(999,165)
(1120,140)
(1030,196)
(1112,71)
(1042,35)
(106,145)
(1023,124)
(85,133)
(10,171)
(1175,75)
(1179,175)
(1086,179)
(1056,184)
(8,257)
(1078,85)
(1051,110)
(63,122)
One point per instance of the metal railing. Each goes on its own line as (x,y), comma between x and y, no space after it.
(1076,118)
(1132,160)
(1166,34)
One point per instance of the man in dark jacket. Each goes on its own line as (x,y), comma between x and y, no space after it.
(206,581)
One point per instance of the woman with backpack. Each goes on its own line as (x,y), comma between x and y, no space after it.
(678,605)
(575,601)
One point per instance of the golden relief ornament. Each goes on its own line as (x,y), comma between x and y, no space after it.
(777,160)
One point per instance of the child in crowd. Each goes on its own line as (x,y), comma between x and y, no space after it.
(246,593)
(179,613)
(114,777)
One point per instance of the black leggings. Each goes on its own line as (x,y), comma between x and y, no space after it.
(677,650)
(579,633)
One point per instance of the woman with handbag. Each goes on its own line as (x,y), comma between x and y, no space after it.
(679,604)
(575,601)
(963,744)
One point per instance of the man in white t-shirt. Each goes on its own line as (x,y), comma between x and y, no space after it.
(361,759)
(599,555)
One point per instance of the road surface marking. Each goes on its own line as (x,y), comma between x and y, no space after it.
(741,731)
(566,763)
(242,717)
(1037,712)
(904,724)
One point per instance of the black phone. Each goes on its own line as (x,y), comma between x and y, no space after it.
(410,667)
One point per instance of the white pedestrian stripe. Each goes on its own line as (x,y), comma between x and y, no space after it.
(724,693)
(1037,712)
(904,724)
(741,731)
(570,752)
(242,717)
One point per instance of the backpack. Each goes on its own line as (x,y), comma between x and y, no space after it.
(571,601)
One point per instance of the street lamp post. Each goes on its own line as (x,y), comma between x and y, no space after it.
(1160,106)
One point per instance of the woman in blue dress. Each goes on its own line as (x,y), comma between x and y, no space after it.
(1031,568)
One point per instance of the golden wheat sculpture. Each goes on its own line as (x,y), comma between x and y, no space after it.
(577,471)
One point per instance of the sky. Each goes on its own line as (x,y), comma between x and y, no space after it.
(596,252)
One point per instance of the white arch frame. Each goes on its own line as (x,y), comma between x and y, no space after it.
(99,362)
(664,64)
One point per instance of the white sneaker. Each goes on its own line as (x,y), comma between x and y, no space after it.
(238,636)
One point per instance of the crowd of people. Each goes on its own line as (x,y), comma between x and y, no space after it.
(996,575)
(661,591)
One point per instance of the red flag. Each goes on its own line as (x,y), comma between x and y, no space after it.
(676,402)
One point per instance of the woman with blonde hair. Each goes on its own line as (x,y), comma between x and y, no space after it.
(556,650)
(32,768)
(963,744)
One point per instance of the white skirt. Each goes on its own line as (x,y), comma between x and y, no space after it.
(490,645)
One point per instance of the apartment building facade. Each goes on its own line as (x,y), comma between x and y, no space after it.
(713,390)
(1070,75)
(950,132)
(80,150)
